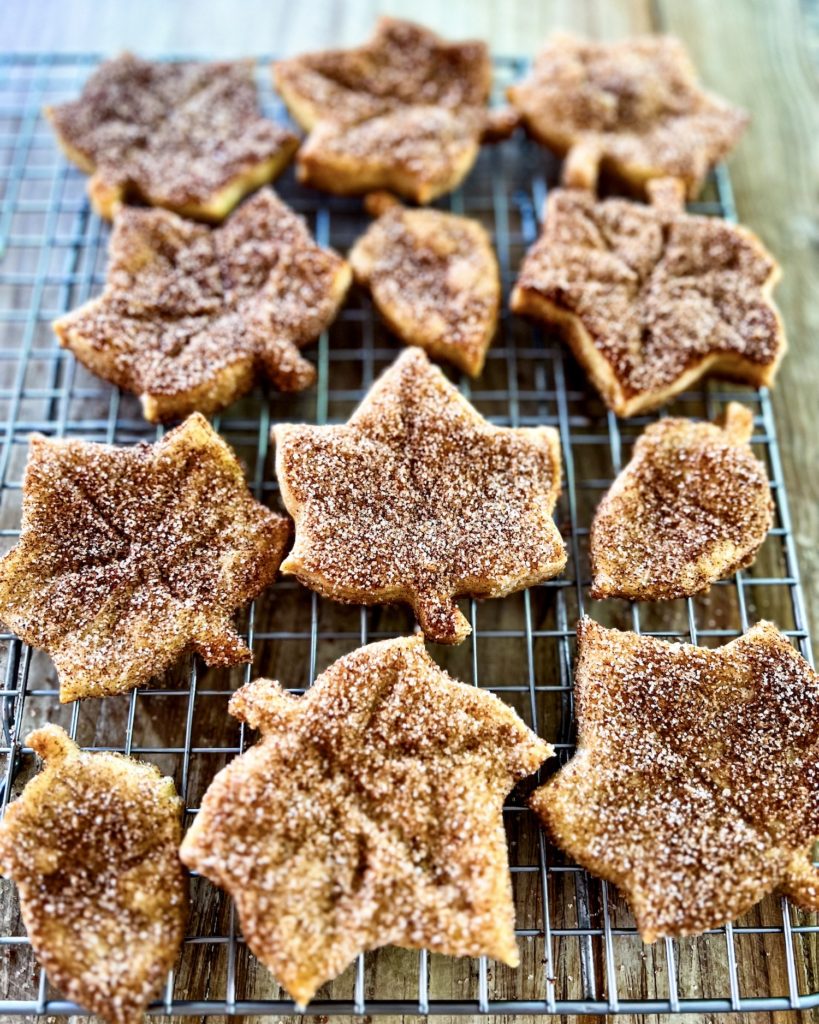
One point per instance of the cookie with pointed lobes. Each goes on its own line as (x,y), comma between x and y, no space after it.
(650,298)
(188,136)
(369,813)
(93,847)
(692,506)
(192,317)
(434,278)
(419,499)
(404,112)
(130,557)
(695,786)
(633,108)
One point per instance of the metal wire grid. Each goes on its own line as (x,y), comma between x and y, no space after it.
(578,943)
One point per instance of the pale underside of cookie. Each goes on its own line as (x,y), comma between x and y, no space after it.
(650,298)
(92,845)
(435,280)
(186,136)
(191,316)
(130,557)
(695,786)
(368,814)
(418,499)
(692,506)
(633,108)
(404,112)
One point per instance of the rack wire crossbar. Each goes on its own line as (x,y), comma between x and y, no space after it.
(580,952)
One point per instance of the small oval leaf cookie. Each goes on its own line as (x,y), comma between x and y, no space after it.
(93,846)
(692,506)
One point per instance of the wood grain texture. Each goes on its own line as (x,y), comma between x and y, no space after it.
(760,53)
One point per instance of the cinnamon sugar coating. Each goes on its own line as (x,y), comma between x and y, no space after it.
(92,845)
(692,506)
(633,107)
(418,499)
(186,136)
(368,814)
(695,786)
(651,298)
(435,280)
(405,112)
(191,316)
(129,557)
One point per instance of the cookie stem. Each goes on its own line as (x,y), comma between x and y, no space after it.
(666,194)
(738,422)
(581,168)
(441,619)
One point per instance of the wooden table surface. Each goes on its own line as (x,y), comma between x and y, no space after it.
(761,54)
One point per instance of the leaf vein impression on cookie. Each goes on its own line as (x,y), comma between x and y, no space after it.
(418,499)
(434,278)
(187,136)
(693,506)
(129,557)
(633,107)
(93,846)
(369,813)
(651,298)
(695,786)
(191,316)
(404,112)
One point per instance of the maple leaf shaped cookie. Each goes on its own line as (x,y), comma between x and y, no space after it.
(695,786)
(93,845)
(650,298)
(633,108)
(191,316)
(434,278)
(129,557)
(186,136)
(418,499)
(368,814)
(693,506)
(405,112)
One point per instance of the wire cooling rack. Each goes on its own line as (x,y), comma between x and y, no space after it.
(580,952)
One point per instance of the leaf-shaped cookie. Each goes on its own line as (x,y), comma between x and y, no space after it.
(128,557)
(405,112)
(418,499)
(93,845)
(632,107)
(191,316)
(368,814)
(434,278)
(651,298)
(187,136)
(695,786)
(692,506)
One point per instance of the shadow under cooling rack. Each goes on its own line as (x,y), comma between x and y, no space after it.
(580,952)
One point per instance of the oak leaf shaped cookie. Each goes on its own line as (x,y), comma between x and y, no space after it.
(93,845)
(418,499)
(434,278)
(129,557)
(692,506)
(190,315)
(650,298)
(405,112)
(695,786)
(187,136)
(368,814)
(634,108)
